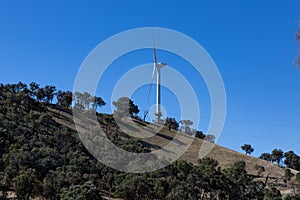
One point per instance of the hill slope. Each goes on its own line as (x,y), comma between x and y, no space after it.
(273,174)
(41,155)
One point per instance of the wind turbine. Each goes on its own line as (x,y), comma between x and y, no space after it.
(156,67)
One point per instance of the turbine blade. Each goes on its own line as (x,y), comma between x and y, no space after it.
(154,49)
(154,68)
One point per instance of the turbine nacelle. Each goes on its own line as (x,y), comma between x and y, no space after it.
(159,65)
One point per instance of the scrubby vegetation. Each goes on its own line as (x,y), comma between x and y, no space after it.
(41,158)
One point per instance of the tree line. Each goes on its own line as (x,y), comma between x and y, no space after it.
(290,159)
(125,107)
(47,94)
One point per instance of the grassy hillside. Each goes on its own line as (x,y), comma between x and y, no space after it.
(42,157)
(273,174)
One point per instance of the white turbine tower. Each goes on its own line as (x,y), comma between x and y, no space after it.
(156,67)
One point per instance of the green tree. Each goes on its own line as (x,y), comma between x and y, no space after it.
(98,102)
(185,126)
(171,123)
(292,160)
(134,188)
(247,148)
(163,186)
(67,99)
(49,93)
(52,184)
(266,156)
(34,87)
(41,94)
(87,191)
(181,191)
(200,134)
(87,99)
(22,88)
(210,138)
(64,99)
(181,169)
(205,178)
(277,156)
(83,101)
(125,107)
(79,100)
(27,184)
(240,185)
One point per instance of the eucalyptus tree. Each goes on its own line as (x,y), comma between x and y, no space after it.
(97,102)
(64,99)
(277,156)
(266,156)
(125,107)
(49,93)
(33,88)
(185,125)
(292,160)
(171,123)
(247,148)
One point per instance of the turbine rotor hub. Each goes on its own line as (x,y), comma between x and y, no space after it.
(160,65)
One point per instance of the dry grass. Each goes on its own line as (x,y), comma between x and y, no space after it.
(224,156)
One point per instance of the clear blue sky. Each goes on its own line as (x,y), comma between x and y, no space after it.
(252,43)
